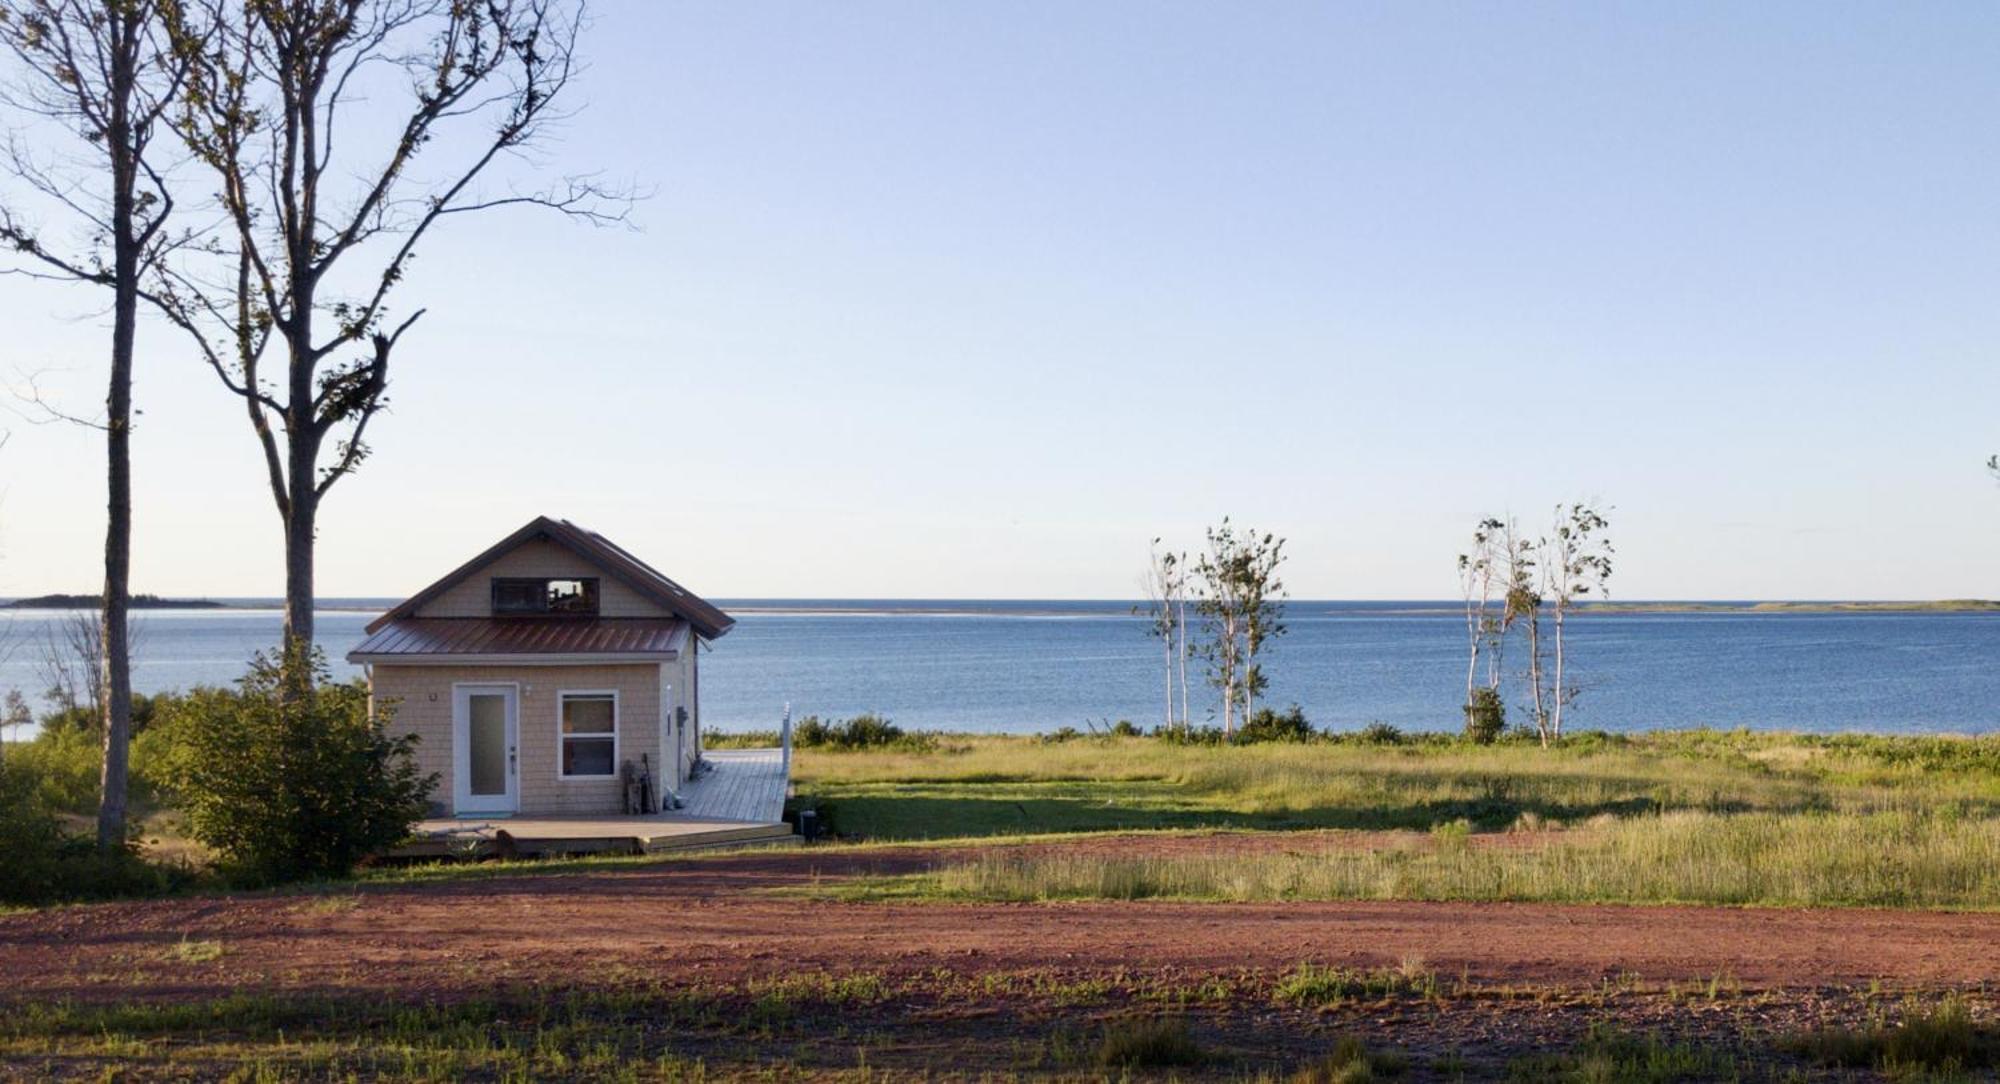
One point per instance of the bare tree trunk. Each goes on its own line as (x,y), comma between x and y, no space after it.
(300,523)
(116,669)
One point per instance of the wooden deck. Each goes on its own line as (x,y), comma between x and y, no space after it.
(746,785)
(740,801)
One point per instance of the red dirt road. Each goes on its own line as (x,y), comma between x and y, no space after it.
(703,920)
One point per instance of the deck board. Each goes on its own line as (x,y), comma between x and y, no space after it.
(741,799)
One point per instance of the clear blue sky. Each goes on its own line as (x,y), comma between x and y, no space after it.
(973,300)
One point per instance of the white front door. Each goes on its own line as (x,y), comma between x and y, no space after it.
(486,731)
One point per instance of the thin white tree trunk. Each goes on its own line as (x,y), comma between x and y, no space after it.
(1535,676)
(1561,690)
(1472,663)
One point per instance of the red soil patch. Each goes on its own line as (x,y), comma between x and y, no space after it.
(701,920)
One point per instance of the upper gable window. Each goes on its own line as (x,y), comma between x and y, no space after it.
(519,596)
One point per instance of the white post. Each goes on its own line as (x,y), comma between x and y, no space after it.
(785,738)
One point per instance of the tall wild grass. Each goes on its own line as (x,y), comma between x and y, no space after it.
(1886,859)
(978,785)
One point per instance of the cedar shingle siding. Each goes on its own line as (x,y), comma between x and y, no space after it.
(424,709)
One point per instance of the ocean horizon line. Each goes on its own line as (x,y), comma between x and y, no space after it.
(919,605)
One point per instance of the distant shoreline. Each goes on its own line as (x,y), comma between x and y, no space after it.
(90,602)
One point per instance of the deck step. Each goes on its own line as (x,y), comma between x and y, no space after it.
(720,837)
(747,835)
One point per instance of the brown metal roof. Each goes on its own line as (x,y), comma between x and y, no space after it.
(707,620)
(527,637)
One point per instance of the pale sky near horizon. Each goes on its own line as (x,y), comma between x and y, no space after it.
(957,300)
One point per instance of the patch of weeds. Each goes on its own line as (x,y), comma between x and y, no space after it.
(1611,1056)
(1350,1062)
(1314,985)
(1148,1041)
(857,988)
(1941,1039)
(1213,990)
(195,952)
(1723,984)
(1072,992)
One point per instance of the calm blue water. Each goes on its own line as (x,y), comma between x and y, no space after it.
(1027,666)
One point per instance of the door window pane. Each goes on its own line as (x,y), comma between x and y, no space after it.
(486,743)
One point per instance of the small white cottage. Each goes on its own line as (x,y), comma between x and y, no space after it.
(543,675)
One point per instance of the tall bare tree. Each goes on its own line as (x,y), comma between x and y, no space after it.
(70,663)
(317,238)
(1478,570)
(1576,564)
(99,69)
(1243,601)
(1166,587)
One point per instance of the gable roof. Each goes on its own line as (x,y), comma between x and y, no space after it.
(641,577)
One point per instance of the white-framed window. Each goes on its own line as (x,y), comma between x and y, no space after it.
(587,733)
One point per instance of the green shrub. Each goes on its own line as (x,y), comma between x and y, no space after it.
(88,720)
(1380,733)
(1268,725)
(290,777)
(46,864)
(1141,1042)
(739,739)
(1189,735)
(868,731)
(1485,716)
(29,832)
(61,767)
(65,763)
